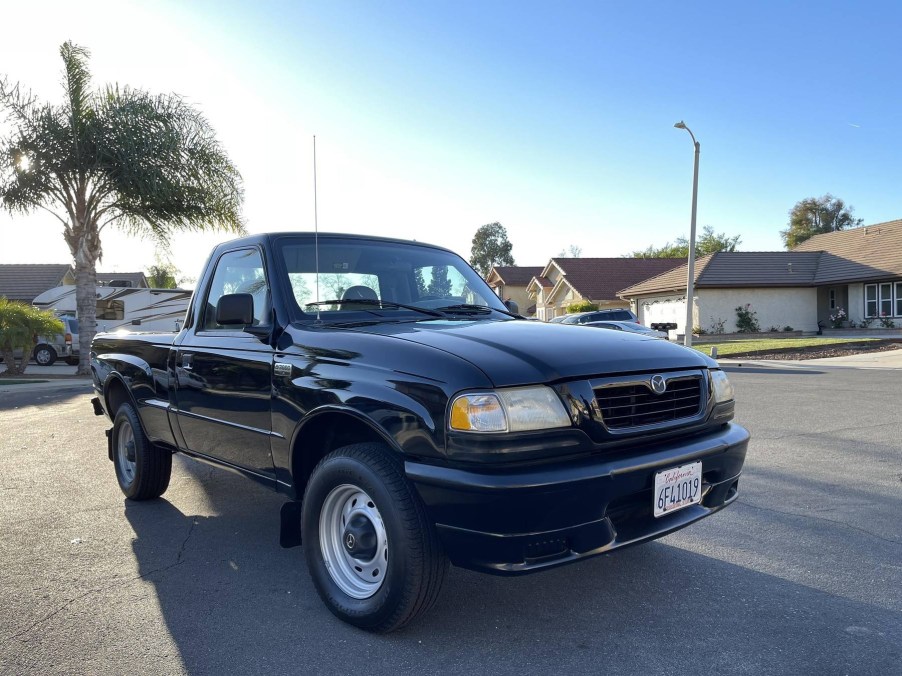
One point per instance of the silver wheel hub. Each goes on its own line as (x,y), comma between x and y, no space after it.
(353,541)
(125,450)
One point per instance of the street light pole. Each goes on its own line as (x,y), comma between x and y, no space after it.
(690,283)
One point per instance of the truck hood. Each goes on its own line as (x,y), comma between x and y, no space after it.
(526,352)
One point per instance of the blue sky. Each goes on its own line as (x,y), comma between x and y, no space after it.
(555,119)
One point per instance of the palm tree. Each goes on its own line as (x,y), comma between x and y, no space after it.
(20,325)
(116,157)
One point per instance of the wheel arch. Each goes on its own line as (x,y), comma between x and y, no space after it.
(322,431)
(116,393)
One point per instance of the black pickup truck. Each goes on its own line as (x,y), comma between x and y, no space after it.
(411,418)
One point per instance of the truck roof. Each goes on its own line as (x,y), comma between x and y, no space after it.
(266,237)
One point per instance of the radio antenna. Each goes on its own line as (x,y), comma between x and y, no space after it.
(316,230)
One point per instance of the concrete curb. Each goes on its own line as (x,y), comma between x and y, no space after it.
(60,384)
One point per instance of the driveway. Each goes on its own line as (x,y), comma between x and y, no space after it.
(800,576)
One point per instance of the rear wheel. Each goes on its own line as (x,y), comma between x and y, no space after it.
(44,355)
(374,557)
(142,469)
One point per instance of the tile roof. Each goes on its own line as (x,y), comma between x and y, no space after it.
(738,269)
(25,282)
(517,275)
(544,282)
(603,278)
(869,252)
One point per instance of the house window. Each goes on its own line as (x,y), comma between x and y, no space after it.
(886,300)
(870,300)
(832,295)
(899,299)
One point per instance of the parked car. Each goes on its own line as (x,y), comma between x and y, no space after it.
(47,350)
(629,327)
(615,314)
(410,418)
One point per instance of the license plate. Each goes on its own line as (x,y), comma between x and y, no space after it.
(677,488)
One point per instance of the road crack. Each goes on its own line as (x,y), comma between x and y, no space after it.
(111,585)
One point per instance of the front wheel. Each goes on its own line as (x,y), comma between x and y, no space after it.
(374,557)
(142,469)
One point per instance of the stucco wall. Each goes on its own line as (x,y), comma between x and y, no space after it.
(775,307)
(518,295)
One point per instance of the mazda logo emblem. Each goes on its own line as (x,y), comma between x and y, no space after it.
(658,384)
(350,540)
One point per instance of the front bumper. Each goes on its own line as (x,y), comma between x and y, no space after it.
(510,522)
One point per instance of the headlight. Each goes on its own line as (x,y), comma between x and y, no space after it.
(723,390)
(518,409)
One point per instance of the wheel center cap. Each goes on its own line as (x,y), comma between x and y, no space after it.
(359,538)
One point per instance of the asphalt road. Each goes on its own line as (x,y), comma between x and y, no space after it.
(803,575)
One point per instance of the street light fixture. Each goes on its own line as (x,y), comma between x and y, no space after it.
(690,283)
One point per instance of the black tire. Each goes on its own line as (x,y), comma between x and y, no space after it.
(416,565)
(44,355)
(72,361)
(145,475)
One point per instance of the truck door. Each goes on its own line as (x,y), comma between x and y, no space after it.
(224,375)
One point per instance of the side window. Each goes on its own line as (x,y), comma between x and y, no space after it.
(238,272)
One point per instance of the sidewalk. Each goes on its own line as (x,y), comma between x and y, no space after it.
(891,359)
(55,383)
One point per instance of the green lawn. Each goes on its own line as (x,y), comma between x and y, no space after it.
(733,347)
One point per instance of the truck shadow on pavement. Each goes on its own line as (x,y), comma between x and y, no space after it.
(21,396)
(234,602)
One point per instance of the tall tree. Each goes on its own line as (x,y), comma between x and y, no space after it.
(119,157)
(491,247)
(709,242)
(440,285)
(815,216)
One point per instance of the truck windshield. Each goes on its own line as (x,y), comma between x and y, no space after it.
(395,273)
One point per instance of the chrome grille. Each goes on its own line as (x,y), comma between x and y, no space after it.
(635,405)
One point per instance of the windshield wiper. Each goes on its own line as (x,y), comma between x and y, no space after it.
(466,309)
(387,304)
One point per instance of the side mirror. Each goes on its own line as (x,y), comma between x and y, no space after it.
(512,306)
(235,309)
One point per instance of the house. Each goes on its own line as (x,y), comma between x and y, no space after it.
(510,283)
(857,270)
(860,270)
(24,282)
(779,286)
(571,280)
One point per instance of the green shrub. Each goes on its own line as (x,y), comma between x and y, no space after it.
(787,329)
(747,319)
(20,326)
(582,306)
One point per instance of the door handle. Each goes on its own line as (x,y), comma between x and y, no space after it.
(186,361)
